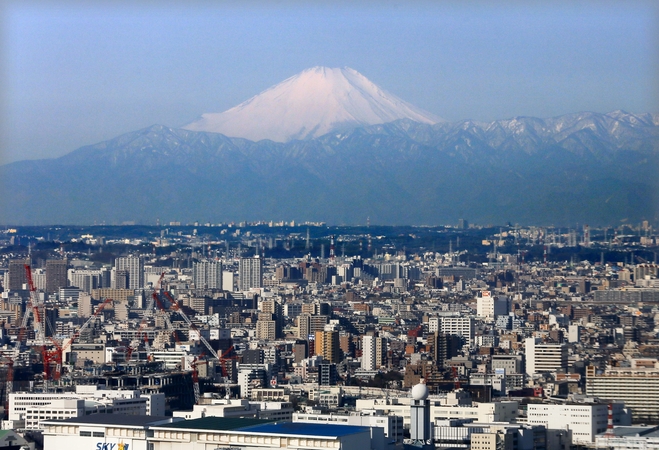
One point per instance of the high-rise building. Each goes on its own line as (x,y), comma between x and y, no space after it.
(458,325)
(207,275)
(374,351)
(276,311)
(327,345)
(135,267)
(17,274)
(444,347)
(56,275)
(250,273)
(307,324)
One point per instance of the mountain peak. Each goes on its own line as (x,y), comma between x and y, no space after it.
(314,102)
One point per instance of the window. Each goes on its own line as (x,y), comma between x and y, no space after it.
(98,434)
(86,433)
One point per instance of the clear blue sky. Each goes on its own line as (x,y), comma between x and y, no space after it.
(74,74)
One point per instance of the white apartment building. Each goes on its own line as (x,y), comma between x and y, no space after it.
(541,358)
(373,352)
(638,388)
(488,305)
(250,273)
(433,324)
(459,325)
(585,420)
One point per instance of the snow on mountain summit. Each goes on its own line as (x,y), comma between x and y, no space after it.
(310,104)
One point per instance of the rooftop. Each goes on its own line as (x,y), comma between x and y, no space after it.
(307,429)
(117,419)
(218,423)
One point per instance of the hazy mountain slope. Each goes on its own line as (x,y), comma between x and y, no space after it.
(579,168)
(311,104)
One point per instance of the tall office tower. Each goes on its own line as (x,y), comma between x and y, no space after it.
(135,267)
(17,274)
(250,273)
(56,275)
(327,344)
(541,358)
(207,275)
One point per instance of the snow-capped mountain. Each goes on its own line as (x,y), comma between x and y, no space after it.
(311,104)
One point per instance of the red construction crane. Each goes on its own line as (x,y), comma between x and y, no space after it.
(37,308)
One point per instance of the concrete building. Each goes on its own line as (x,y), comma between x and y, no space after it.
(374,351)
(392,425)
(637,388)
(161,433)
(455,405)
(250,273)
(584,420)
(56,275)
(326,344)
(207,275)
(460,326)
(31,409)
(541,358)
(488,305)
(17,275)
(134,265)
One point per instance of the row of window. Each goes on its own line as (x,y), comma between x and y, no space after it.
(92,434)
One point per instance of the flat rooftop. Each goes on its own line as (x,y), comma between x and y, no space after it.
(117,419)
(217,423)
(307,429)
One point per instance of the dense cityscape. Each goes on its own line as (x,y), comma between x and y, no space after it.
(447,337)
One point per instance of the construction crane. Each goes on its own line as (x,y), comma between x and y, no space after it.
(148,312)
(196,362)
(58,354)
(175,306)
(38,311)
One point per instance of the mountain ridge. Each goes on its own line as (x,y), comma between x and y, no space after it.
(578,168)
